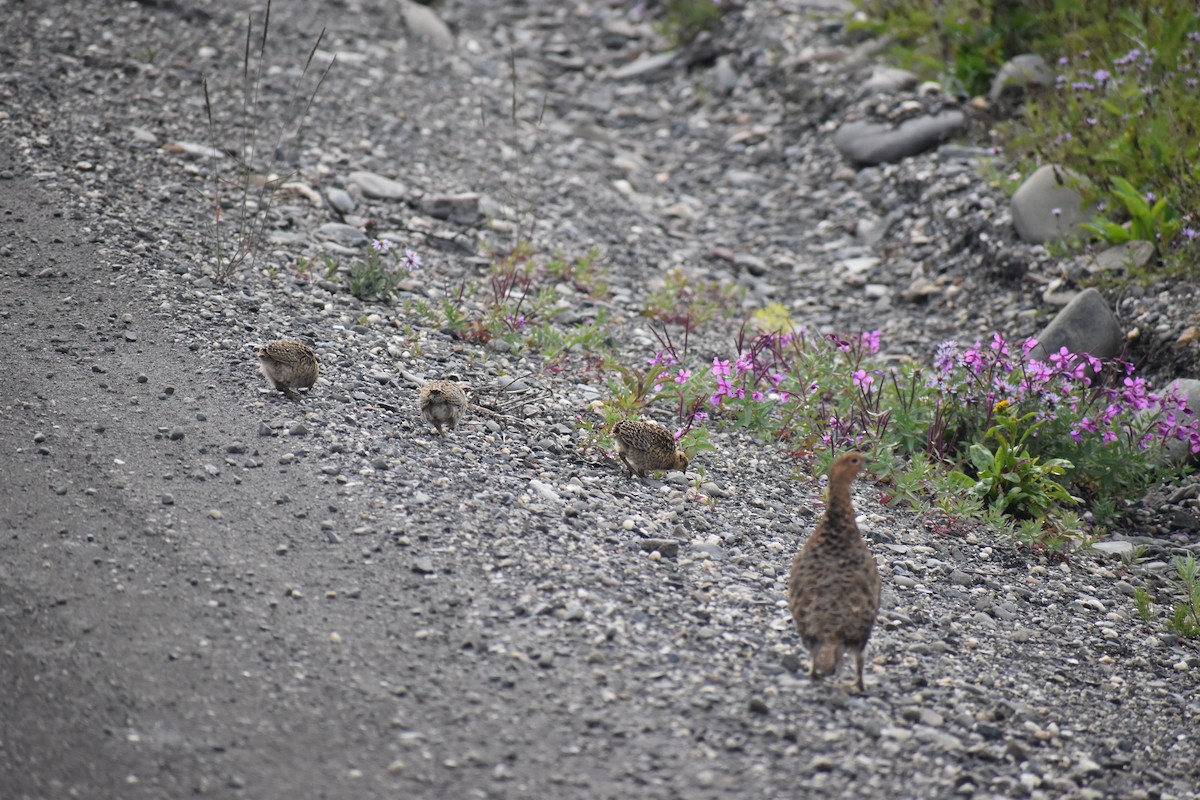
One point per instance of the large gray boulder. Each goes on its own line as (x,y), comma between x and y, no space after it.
(1085,325)
(1049,207)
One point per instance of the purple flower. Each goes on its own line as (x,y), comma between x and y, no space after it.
(871,341)
(411,260)
(683,375)
(1028,345)
(720,367)
(999,345)
(973,360)
(1101,75)
(1135,393)
(862,380)
(382,245)
(1151,197)
(745,363)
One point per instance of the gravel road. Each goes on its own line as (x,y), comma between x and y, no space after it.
(208,589)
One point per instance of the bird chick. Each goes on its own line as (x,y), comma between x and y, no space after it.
(833,588)
(644,446)
(288,366)
(442,404)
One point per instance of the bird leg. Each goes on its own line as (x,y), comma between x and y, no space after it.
(625,461)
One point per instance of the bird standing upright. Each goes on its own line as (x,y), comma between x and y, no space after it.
(834,587)
(644,446)
(442,404)
(288,366)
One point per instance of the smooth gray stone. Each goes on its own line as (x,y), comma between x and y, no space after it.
(1048,207)
(867,143)
(1085,325)
(377,186)
(888,80)
(424,23)
(340,199)
(1020,72)
(343,234)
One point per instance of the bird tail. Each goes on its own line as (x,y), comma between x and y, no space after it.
(825,658)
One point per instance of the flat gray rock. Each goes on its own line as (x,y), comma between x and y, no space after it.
(648,66)
(888,80)
(1048,207)
(1085,325)
(343,234)
(867,143)
(1119,258)
(378,186)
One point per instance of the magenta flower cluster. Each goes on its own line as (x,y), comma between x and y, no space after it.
(1092,397)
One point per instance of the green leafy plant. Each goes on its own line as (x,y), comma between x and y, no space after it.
(1010,479)
(378,276)
(1157,223)
(1185,620)
(1141,601)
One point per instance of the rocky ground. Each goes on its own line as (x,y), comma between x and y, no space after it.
(208,589)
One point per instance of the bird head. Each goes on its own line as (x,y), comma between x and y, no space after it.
(847,467)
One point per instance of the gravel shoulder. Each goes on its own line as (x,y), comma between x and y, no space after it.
(208,589)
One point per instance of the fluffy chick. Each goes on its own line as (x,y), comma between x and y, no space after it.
(834,587)
(288,366)
(645,446)
(442,404)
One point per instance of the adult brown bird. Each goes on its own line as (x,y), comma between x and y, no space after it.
(644,446)
(833,589)
(288,366)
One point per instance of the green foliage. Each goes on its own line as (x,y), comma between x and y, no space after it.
(1123,111)
(684,20)
(1185,620)
(1141,600)
(681,301)
(960,42)
(582,273)
(1157,223)
(988,431)
(376,277)
(1012,480)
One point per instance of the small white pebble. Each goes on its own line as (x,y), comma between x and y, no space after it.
(627,524)
(335,638)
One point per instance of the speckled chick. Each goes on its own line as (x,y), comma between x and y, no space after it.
(443,404)
(833,589)
(288,366)
(645,446)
